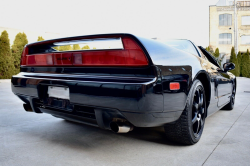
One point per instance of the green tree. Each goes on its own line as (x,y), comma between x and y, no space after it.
(217,53)
(245,61)
(239,57)
(85,47)
(210,50)
(40,38)
(76,47)
(6,60)
(17,49)
(63,48)
(234,60)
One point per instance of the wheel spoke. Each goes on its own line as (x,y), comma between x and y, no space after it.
(198,126)
(196,106)
(195,118)
(198,96)
(201,100)
(202,110)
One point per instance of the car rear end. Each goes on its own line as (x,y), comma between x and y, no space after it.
(115,81)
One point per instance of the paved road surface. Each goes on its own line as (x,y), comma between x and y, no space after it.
(40,139)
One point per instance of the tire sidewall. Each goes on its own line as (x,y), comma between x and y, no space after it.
(196,84)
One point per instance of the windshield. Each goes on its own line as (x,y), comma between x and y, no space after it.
(184,45)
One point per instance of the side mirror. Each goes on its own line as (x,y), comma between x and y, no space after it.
(228,66)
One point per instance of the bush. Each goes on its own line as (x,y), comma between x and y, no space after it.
(86,47)
(6,60)
(210,50)
(245,61)
(239,57)
(76,47)
(17,49)
(40,38)
(234,60)
(217,53)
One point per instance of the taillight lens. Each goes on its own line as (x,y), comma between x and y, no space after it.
(131,55)
(23,57)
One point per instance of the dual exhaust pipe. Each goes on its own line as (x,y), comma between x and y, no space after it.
(120,127)
(27,107)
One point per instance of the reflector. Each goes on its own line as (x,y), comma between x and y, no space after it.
(174,86)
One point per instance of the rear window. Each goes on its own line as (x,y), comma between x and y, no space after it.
(78,45)
(89,44)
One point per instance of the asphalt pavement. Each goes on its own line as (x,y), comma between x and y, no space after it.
(42,140)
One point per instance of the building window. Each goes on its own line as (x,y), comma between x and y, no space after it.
(245,20)
(243,3)
(225,19)
(225,38)
(245,39)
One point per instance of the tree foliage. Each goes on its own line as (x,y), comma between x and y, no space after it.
(17,49)
(40,38)
(63,48)
(86,47)
(217,53)
(210,50)
(239,57)
(245,62)
(76,47)
(234,60)
(6,60)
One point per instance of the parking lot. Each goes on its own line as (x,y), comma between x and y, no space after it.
(40,139)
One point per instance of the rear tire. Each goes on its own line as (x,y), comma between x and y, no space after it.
(189,127)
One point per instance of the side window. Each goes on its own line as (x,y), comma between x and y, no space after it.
(202,55)
(208,56)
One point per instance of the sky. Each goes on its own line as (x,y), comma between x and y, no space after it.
(177,19)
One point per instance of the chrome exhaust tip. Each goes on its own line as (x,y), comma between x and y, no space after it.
(27,108)
(119,127)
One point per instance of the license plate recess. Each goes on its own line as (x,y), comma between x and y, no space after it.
(58,92)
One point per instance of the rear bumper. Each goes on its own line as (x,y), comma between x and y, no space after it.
(136,99)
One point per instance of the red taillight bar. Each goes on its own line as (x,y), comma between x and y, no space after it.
(23,57)
(131,55)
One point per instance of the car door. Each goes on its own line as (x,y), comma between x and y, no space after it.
(222,82)
(224,88)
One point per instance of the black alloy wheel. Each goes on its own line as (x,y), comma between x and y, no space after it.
(189,127)
(198,111)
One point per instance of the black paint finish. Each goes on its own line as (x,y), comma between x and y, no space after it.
(140,95)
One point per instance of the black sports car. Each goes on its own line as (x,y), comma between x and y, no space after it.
(121,81)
